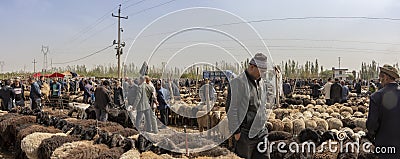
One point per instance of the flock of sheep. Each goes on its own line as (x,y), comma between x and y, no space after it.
(300,119)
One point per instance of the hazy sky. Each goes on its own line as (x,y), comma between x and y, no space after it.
(75,28)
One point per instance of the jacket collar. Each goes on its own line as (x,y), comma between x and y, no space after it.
(251,78)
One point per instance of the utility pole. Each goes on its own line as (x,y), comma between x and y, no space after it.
(34,65)
(339,62)
(2,66)
(45,51)
(119,47)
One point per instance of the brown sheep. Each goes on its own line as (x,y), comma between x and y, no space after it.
(348,109)
(288,125)
(277,124)
(322,124)
(360,122)
(298,125)
(310,123)
(334,123)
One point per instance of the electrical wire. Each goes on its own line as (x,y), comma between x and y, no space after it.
(94,53)
(284,19)
(144,10)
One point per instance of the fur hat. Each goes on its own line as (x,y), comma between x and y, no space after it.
(389,70)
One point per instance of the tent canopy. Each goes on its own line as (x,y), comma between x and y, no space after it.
(37,75)
(56,74)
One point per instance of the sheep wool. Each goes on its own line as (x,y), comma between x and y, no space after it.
(298,125)
(30,144)
(310,123)
(131,154)
(334,123)
(360,122)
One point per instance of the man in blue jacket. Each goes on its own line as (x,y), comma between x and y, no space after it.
(383,121)
(162,98)
(35,94)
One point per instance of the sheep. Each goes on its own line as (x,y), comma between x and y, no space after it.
(203,120)
(78,149)
(309,134)
(48,145)
(362,109)
(149,155)
(35,128)
(307,114)
(316,114)
(325,115)
(133,153)
(334,123)
(214,152)
(277,125)
(9,128)
(280,113)
(358,115)
(322,124)
(347,122)
(323,153)
(31,143)
(298,125)
(79,108)
(329,110)
(348,109)
(279,135)
(360,122)
(345,114)
(310,123)
(113,153)
(336,115)
(320,102)
(287,125)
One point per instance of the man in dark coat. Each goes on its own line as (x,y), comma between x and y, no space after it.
(8,96)
(287,89)
(357,87)
(103,101)
(336,92)
(383,121)
(246,114)
(35,94)
(315,87)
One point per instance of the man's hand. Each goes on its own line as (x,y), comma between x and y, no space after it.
(237,136)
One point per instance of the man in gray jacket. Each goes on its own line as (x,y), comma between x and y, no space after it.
(246,114)
(142,103)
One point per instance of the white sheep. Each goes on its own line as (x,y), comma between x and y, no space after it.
(334,123)
(31,143)
(131,154)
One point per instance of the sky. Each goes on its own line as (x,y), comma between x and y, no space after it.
(73,29)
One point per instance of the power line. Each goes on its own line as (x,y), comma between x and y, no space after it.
(93,25)
(134,4)
(136,13)
(144,10)
(94,53)
(284,19)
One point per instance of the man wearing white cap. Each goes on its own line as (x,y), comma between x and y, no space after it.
(243,104)
(383,122)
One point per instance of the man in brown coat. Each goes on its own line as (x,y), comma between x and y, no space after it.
(102,102)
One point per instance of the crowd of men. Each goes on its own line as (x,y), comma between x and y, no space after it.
(334,90)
